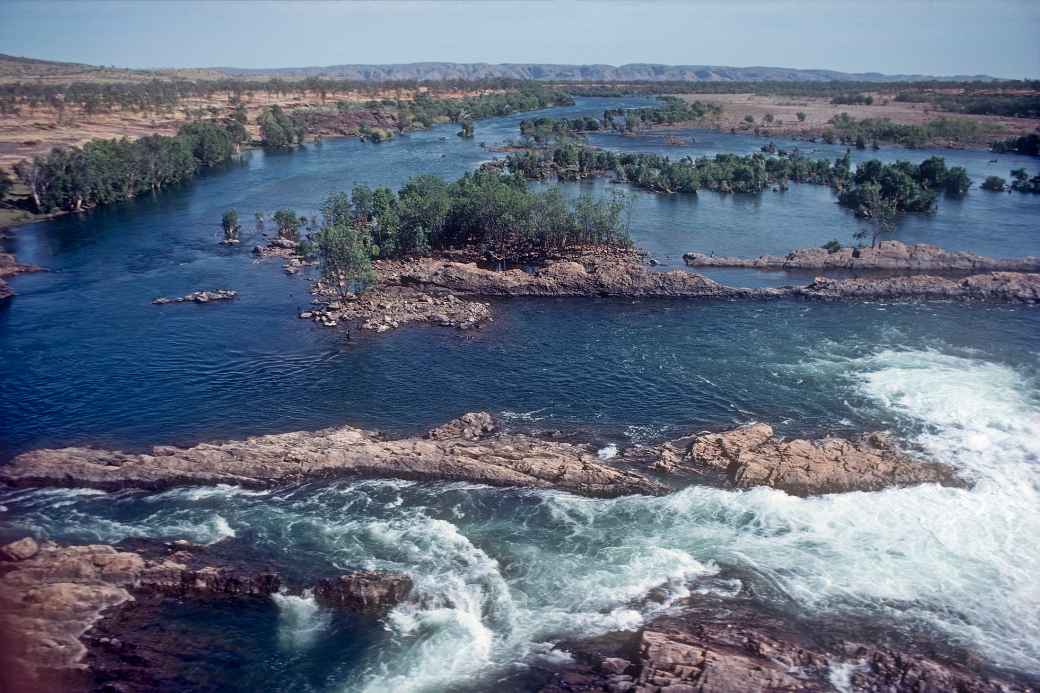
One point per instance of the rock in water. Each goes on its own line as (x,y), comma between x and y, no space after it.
(752,456)
(888,255)
(457,451)
(364,591)
(20,550)
(198,297)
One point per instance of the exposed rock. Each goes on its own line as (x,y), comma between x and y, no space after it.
(594,277)
(888,255)
(500,459)
(752,456)
(364,591)
(384,308)
(50,599)
(277,247)
(471,426)
(20,550)
(198,297)
(727,646)
(1003,287)
(9,266)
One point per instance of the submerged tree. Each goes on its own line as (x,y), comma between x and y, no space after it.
(288,224)
(230,224)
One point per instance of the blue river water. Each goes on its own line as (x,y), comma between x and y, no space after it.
(88,360)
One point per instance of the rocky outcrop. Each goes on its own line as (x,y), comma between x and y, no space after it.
(498,459)
(50,598)
(9,267)
(998,287)
(594,277)
(722,647)
(277,247)
(753,456)
(364,591)
(198,297)
(388,307)
(888,255)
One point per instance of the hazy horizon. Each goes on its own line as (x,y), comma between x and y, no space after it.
(953,38)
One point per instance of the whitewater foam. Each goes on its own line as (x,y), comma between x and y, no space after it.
(301,621)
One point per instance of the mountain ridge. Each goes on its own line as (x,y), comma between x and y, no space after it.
(32,68)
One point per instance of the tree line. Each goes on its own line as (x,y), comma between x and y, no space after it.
(165,94)
(850,131)
(103,171)
(909,187)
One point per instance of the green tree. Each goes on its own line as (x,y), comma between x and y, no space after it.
(288,224)
(345,259)
(956,183)
(230,224)
(801,116)
(994,184)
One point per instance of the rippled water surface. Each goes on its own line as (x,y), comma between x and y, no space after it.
(504,574)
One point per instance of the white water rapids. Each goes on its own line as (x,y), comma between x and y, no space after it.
(502,575)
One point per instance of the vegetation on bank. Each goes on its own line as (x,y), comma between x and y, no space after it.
(103,171)
(675,110)
(1017,98)
(850,131)
(908,187)
(492,213)
(1026,144)
(1007,105)
(163,96)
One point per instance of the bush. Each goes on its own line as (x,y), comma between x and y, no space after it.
(994,184)
(831,246)
(230,224)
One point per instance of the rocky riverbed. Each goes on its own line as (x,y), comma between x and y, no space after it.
(887,255)
(51,596)
(711,645)
(471,448)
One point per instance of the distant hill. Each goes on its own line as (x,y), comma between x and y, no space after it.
(581,73)
(17,68)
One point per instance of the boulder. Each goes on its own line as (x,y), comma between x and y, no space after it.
(364,591)
(20,550)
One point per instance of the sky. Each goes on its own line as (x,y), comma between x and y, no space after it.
(994,37)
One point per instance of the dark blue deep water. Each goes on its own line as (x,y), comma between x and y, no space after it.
(502,575)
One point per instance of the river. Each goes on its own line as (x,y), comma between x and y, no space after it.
(88,360)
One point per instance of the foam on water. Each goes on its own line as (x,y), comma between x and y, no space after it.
(300,620)
(607,452)
(501,575)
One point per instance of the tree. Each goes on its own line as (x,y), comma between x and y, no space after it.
(345,258)
(956,183)
(278,130)
(801,116)
(288,224)
(230,224)
(880,211)
(994,184)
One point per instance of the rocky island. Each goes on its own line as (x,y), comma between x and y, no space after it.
(887,255)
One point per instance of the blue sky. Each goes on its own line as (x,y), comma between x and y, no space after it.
(997,37)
